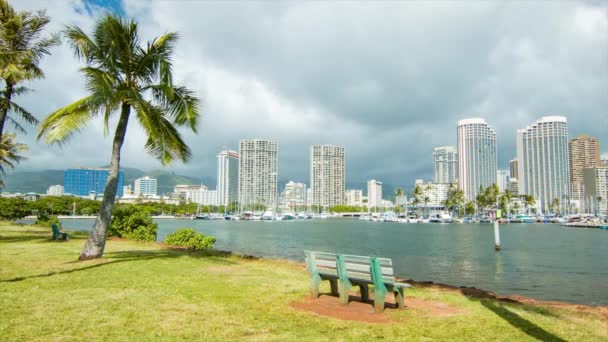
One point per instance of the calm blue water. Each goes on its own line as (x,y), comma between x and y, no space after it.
(548,262)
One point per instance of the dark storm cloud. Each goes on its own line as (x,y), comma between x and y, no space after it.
(388,81)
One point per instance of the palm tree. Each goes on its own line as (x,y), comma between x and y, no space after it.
(399,192)
(9,152)
(21,49)
(455,199)
(121,75)
(528,201)
(416,195)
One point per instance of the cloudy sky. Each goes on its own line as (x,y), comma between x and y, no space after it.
(388,81)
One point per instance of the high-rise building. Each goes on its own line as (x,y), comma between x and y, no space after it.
(445,164)
(513,187)
(584,152)
(294,196)
(202,196)
(55,190)
(82,182)
(258,168)
(327,175)
(603,162)
(354,197)
(145,187)
(596,190)
(502,180)
(435,194)
(542,154)
(227,177)
(476,156)
(374,193)
(513,169)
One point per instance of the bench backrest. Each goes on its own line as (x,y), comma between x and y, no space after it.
(360,267)
(353,267)
(322,263)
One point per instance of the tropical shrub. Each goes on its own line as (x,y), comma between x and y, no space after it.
(13,209)
(131,222)
(187,237)
(46,220)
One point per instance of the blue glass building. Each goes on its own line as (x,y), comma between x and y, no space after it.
(81,182)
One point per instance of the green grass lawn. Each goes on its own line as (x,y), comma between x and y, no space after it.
(141,291)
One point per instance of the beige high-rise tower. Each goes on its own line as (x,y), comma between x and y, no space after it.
(584,153)
(327,175)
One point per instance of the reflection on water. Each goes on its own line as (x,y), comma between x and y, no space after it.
(542,261)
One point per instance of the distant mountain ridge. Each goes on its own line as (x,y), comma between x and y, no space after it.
(40,181)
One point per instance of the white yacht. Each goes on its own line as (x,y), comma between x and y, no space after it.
(268,216)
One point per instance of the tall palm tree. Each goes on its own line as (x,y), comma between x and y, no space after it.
(122,76)
(22,46)
(10,152)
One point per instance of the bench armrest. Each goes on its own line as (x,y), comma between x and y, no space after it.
(404,285)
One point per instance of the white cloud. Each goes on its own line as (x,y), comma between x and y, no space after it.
(386,80)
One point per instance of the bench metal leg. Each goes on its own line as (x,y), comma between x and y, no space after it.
(399,297)
(379,295)
(364,293)
(333,283)
(344,292)
(314,286)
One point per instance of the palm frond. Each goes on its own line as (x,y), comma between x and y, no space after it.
(164,141)
(24,114)
(10,152)
(16,125)
(61,125)
(83,46)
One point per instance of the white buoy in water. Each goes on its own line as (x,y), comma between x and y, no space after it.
(496,236)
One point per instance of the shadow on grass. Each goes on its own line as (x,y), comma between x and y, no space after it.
(519,322)
(35,236)
(133,256)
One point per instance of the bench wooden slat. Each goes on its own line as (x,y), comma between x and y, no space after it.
(325,263)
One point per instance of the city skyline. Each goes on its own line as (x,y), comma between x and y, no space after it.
(402,98)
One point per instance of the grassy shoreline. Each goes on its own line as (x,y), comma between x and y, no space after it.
(145,291)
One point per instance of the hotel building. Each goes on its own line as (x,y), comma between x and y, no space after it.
(445,164)
(327,175)
(227,177)
(542,154)
(258,168)
(584,153)
(476,156)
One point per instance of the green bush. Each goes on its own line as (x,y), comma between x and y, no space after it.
(13,209)
(131,222)
(187,237)
(46,220)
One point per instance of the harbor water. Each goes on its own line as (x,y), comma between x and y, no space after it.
(541,261)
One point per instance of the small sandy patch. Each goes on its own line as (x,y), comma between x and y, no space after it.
(329,306)
(364,312)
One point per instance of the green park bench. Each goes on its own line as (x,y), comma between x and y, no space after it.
(354,270)
(57,235)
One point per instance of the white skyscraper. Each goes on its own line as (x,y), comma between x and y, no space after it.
(445,164)
(327,175)
(476,156)
(374,193)
(258,173)
(227,177)
(294,196)
(145,187)
(502,180)
(354,197)
(542,154)
(434,193)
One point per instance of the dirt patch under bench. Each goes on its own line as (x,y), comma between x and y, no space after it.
(329,306)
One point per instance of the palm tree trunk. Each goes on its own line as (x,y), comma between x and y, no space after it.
(6,105)
(98,234)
